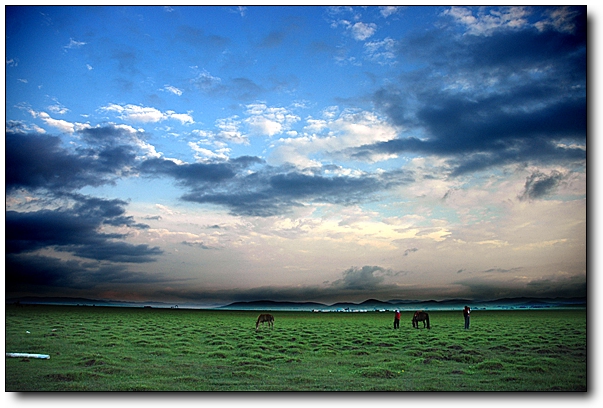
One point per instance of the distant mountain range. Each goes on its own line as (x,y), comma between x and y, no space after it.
(367,305)
(374,304)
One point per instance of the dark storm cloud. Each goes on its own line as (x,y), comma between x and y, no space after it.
(76,230)
(354,282)
(188,174)
(38,273)
(201,245)
(482,101)
(410,250)
(275,191)
(266,192)
(197,174)
(365,278)
(73,222)
(571,286)
(539,185)
(337,189)
(483,288)
(501,270)
(116,252)
(481,133)
(360,283)
(108,135)
(28,270)
(505,49)
(37,161)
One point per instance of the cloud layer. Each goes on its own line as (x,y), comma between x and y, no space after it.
(306,153)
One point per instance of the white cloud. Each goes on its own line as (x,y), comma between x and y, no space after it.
(387,11)
(330,112)
(74,44)
(382,52)
(315,125)
(485,23)
(147,149)
(20,127)
(560,19)
(142,114)
(350,129)
(349,18)
(241,10)
(262,126)
(230,130)
(206,82)
(269,121)
(172,89)
(165,209)
(62,125)
(361,31)
(184,118)
(202,154)
(135,113)
(38,129)
(58,109)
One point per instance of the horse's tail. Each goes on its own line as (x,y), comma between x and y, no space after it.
(427,318)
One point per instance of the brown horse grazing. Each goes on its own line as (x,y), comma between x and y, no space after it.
(265,318)
(420,316)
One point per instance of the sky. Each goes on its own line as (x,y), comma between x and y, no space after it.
(208,155)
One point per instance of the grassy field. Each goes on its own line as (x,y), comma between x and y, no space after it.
(123,349)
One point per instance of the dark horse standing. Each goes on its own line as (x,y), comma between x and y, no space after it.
(420,316)
(265,318)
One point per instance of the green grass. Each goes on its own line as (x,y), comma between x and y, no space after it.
(128,349)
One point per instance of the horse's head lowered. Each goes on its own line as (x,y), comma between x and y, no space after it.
(264,318)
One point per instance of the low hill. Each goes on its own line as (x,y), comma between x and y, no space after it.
(273,305)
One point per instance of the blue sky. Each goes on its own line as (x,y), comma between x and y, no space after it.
(217,154)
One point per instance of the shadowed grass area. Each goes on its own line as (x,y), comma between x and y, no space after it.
(128,349)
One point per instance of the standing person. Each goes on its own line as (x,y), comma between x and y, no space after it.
(466,313)
(397,319)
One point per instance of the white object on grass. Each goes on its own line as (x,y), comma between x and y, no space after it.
(26,355)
